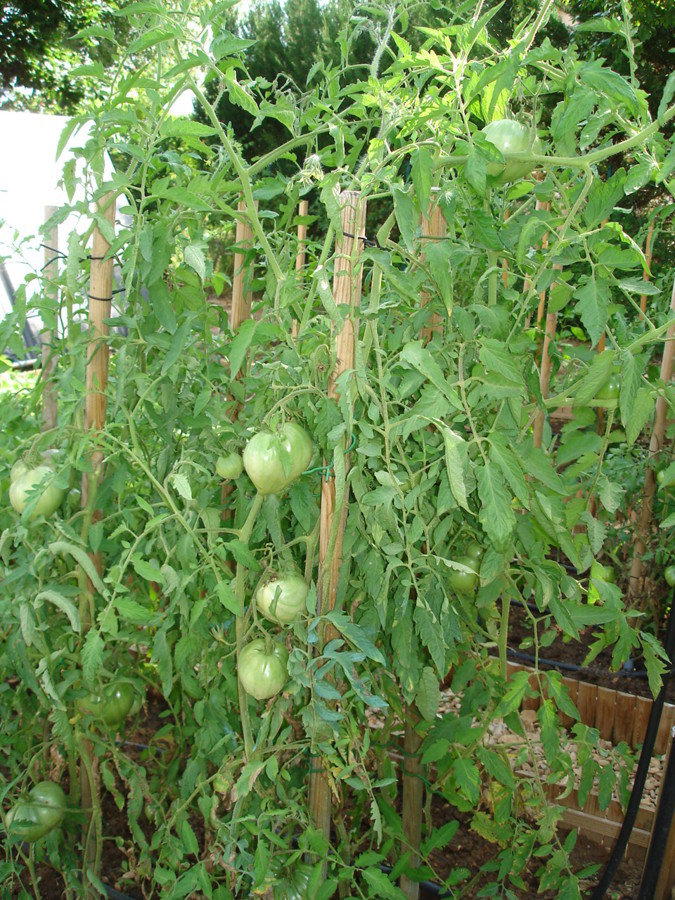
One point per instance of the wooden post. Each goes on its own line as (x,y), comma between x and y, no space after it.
(100,299)
(434,227)
(544,245)
(347,279)
(648,257)
(49,357)
(303,209)
(545,371)
(655,446)
(241,298)
(505,262)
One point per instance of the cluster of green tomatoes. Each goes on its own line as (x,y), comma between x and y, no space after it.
(273,461)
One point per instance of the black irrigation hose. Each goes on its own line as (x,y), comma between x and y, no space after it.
(665,811)
(660,833)
(572,667)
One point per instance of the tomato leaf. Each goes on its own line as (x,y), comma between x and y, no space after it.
(496,515)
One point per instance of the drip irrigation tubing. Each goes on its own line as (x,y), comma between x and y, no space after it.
(665,811)
(572,667)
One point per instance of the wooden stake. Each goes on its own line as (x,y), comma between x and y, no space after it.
(648,257)
(544,245)
(655,446)
(241,298)
(347,279)
(303,209)
(413,799)
(433,227)
(49,357)
(100,298)
(505,262)
(545,371)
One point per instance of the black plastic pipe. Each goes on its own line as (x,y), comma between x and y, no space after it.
(619,849)
(663,822)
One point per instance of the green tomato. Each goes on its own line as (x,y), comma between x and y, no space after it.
(17,471)
(273,461)
(31,819)
(510,137)
(475,551)
(22,823)
(49,802)
(670,576)
(112,706)
(282,599)
(608,394)
(263,671)
(24,486)
(230,466)
(601,574)
(464,582)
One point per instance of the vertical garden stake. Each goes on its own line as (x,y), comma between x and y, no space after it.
(434,226)
(98,353)
(347,280)
(655,446)
(545,371)
(241,298)
(648,258)
(303,209)
(49,358)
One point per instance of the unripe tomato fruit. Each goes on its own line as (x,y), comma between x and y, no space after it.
(282,599)
(274,460)
(31,819)
(464,582)
(609,392)
(604,574)
(475,551)
(263,671)
(230,466)
(112,706)
(509,137)
(670,576)
(26,482)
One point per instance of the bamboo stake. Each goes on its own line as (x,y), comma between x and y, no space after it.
(49,357)
(100,298)
(434,227)
(648,257)
(239,312)
(505,262)
(303,209)
(544,246)
(241,298)
(655,446)
(545,371)
(347,281)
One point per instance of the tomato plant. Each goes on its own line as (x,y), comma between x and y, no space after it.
(424,449)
